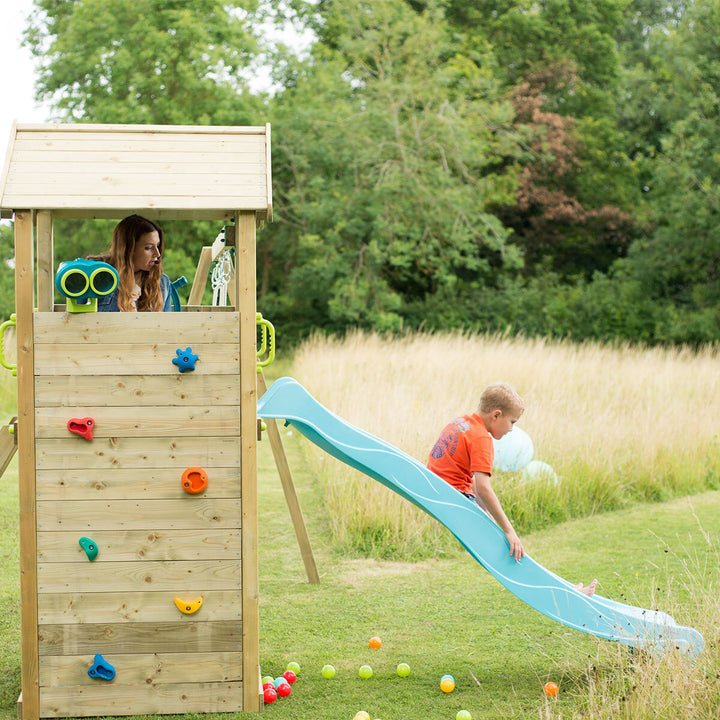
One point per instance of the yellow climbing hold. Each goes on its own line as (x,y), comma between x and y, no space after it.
(188,608)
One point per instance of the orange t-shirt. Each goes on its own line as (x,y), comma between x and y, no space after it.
(463,448)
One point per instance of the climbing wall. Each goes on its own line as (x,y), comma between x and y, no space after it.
(152,624)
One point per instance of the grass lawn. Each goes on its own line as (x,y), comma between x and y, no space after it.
(439,616)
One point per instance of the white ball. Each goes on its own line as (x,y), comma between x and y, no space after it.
(513,451)
(539,470)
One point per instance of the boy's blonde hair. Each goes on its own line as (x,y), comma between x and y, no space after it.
(500,396)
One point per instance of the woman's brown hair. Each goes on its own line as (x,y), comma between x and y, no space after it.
(126,233)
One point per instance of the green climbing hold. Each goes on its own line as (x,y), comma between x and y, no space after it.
(90,547)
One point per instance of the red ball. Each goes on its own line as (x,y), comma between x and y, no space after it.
(284,689)
(290,676)
(269,695)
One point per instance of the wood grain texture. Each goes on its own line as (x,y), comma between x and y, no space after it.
(132,638)
(128,577)
(144,607)
(142,545)
(124,484)
(137,390)
(147,669)
(193,512)
(106,699)
(136,453)
(132,359)
(141,422)
(107,328)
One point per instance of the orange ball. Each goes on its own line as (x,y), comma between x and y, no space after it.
(551,689)
(375,642)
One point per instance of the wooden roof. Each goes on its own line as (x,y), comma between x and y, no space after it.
(162,171)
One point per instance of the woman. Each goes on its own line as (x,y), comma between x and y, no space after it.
(136,252)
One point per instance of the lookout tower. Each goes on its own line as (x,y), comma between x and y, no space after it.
(169,602)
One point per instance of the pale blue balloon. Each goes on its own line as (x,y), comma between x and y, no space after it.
(513,451)
(539,470)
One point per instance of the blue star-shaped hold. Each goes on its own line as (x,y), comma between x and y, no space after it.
(185,360)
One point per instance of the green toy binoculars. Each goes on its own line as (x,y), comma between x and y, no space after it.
(82,282)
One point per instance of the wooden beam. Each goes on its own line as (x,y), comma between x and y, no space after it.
(8,444)
(45,262)
(24,285)
(201,276)
(245,293)
(290,494)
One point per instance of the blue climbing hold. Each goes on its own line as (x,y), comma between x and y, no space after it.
(185,360)
(101,669)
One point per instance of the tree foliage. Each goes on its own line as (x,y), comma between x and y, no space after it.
(548,167)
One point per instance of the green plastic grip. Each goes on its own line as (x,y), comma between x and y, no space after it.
(12,322)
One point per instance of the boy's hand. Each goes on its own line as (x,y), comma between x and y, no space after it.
(516,548)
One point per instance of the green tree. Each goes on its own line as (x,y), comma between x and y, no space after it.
(144,61)
(679,262)
(392,148)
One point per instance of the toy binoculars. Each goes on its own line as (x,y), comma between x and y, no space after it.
(82,282)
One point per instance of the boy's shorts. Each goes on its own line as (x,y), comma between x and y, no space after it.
(469,496)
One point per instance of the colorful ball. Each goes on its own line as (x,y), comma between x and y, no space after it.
(513,451)
(375,643)
(284,689)
(551,689)
(447,683)
(463,715)
(268,679)
(362,715)
(539,471)
(295,667)
(290,676)
(328,671)
(269,695)
(279,681)
(365,672)
(403,669)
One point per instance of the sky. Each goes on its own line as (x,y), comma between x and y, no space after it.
(17,72)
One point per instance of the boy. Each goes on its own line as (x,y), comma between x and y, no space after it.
(463,456)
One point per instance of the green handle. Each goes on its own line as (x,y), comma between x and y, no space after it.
(267,342)
(12,322)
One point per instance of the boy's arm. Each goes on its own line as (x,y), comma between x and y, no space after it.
(488,500)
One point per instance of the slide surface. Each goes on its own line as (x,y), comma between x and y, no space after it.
(540,588)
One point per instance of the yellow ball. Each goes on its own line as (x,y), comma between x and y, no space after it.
(447,683)
(362,715)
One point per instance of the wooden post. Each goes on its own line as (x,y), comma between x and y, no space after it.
(24,285)
(45,274)
(290,494)
(200,279)
(8,444)
(245,293)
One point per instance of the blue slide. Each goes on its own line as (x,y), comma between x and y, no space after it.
(548,593)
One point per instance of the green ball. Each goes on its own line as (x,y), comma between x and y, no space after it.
(365,672)
(463,715)
(295,667)
(328,671)
(267,679)
(403,669)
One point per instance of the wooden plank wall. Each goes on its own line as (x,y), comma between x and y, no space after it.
(123,490)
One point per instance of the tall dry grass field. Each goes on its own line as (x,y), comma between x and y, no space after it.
(618,685)
(617,424)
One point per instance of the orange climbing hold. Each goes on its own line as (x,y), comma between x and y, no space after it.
(194,480)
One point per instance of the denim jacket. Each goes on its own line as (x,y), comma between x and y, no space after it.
(109,302)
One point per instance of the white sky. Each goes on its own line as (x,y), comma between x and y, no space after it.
(17,80)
